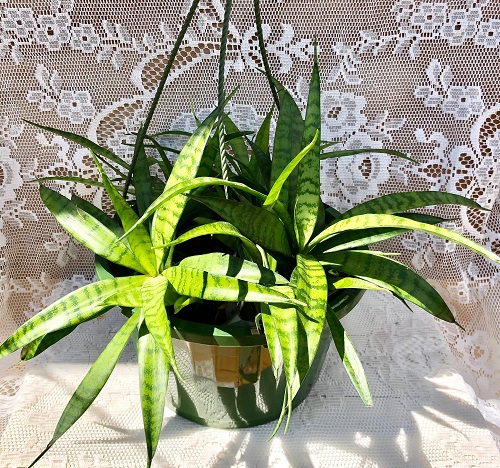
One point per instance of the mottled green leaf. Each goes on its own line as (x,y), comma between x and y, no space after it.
(153,379)
(353,152)
(287,144)
(383,220)
(275,191)
(261,226)
(391,275)
(219,228)
(308,177)
(153,293)
(398,202)
(88,230)
(227,265)
(93,382)
(185,169)
(142,181)
(349,357)
(272,339)
(203,285)
(43,342)
(75,308)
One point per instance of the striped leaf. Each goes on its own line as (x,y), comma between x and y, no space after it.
(142,181)
(98,214)
(349,357)
(308,177)
(153,379)
(78,180)
(398,202)
(219,228)
(77,307)
(383,220)
(287,143)
(354,239)
(139,239)
(275,191)
(185,169)
(261,226)
(203,285)
(311,288)
(286,323)
(88,230)
(390,275)
(44,342)
(153,293)
(227,265)
(272,339)
(183,187)
(355,283)
(93,382)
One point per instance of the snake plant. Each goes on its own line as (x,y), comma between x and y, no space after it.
(280,248)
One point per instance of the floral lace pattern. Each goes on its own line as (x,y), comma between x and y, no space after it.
(419,76)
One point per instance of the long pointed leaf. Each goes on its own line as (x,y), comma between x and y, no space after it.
(390,275)
(353,152)
(398,202)
(153,379)
(382,220)
(185,169)
(98,214)
(287,143)
(219,228)
(203,285)
(272,339)
(139,239)
(261,226)
(349,357)
(142,181)
(308,177)
(226,265)
(153,293)
(275,191)
(77,307)
(260,160)
(88,230)
(94,380)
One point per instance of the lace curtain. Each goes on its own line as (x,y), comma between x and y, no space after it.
(418,76)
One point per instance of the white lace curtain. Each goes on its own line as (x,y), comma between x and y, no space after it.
(419,76)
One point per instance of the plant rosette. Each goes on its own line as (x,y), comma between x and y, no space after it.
(238,234)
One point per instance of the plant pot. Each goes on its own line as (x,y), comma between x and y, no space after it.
(227,372)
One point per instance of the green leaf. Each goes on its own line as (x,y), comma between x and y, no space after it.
(287,143)
(169,194)
(382,220)
(356,283)
(272,339)
(98,214)
(261,226)
(353,239)
(219,228)
(203,285)
(398,202)
(43,342)
(94,381)
(227,265)
(86,143)
(77,307)
(79,180)
(391,275)
(88,230)
(185,169)
(349,357)
(142,181)
(275,191)
(240,150)
(153,379)
(153,293)
(312,289)
(260,161)
(353,152)
(308,178)
(139,239)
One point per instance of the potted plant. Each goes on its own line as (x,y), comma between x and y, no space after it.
(281,270)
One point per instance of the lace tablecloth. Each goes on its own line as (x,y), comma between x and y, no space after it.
(422,415)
